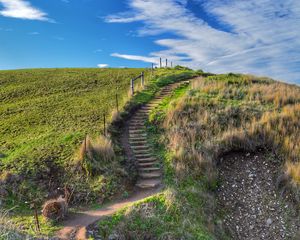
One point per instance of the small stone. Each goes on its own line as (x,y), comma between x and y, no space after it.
(269,222)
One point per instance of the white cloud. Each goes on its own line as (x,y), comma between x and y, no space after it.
(264,36)
(135,57)
(102,65)
(22,9)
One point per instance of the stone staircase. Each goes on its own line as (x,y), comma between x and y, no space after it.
(149,167)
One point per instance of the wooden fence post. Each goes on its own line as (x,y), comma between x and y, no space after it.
(84,144)
(132,87)
(104,125)
(36,217)
(142,79)
(117,102)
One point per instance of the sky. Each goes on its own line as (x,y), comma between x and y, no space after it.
(259,37)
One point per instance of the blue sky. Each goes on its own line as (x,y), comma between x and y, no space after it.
(260,36)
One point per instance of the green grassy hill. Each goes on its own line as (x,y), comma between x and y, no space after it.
(46,113)
(45,116)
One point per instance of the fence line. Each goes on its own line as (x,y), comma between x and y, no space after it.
(132,87)
(142,77)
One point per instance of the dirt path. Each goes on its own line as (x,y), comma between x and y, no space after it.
(149,171)
(249,200)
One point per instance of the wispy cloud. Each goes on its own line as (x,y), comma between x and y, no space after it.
(6,29)
(22,9)
(102,65)
(136,58)
(33,33)
(264,36)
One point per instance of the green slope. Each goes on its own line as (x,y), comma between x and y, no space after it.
(45,115)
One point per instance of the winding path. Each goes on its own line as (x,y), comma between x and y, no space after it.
(149,171)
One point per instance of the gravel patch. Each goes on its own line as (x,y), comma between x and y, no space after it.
(248,201)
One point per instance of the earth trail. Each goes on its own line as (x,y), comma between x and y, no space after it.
(149,171)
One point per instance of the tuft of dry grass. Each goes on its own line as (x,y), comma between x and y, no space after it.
(94,155)
(293,170)
(55,209)
(279,94)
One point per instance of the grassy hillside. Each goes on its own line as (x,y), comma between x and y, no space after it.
(191,130)
(45,116)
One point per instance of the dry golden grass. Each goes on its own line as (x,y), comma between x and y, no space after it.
(279,94)
(234,112)
(94,155)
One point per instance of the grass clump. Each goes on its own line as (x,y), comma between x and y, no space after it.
(94,155)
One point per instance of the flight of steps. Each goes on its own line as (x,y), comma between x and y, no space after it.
(149,168)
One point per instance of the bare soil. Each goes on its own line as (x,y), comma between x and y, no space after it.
(248,200)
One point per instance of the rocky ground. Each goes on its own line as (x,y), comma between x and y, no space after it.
(249,202)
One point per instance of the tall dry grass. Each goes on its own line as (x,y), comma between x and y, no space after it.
(95,155)
(229,112)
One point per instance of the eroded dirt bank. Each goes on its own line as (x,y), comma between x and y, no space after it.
(248,201)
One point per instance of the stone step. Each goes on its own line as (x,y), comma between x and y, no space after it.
(135,131)
(138,143)
(137,139)
(145,159)
(153,105)
(136,127)
(146,107)
(148,164)
(150,175)
(140,147)
(139,118)
(138,135)
(148,183)
(144,111)
(141,135)
(141,151)
(137,123)
(139,115)
(149,169)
